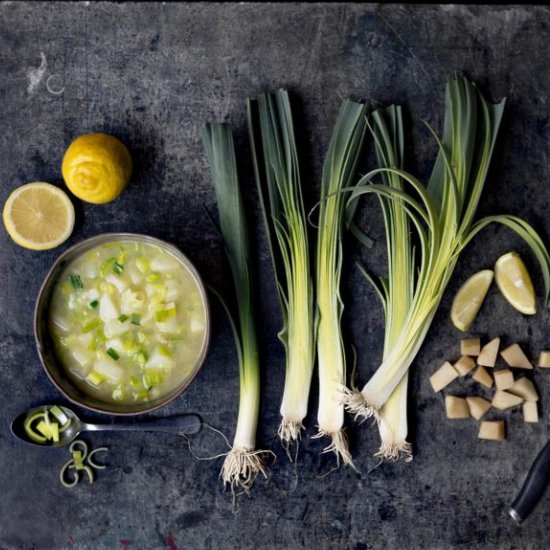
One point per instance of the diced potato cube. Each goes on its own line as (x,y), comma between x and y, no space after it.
(504,379)
(108,368)
(482,376)
(114,328)
(82,357)
(488,355)
(159,360)
(544,360)
(492,429)
(464,365)
(504,400)
(163,264)
(526,389)
(530,411)
(118,282)
(456,407)
(107,308)
(470,346)
(514,356)
(478,406)
(443,376)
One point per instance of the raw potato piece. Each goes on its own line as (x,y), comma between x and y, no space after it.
(504,400)
(530,412)
(526,389)
(478,406)
(443,376)
(456,407)
(483,377)
(515,357)
(470,346)
(504,379)
(488,354)
(544,360)
(464,365)
(492,430)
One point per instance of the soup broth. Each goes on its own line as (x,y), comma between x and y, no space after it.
(128,320)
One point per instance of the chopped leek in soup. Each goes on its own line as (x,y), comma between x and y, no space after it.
(128,321)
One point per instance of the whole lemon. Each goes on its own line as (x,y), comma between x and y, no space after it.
(97,168)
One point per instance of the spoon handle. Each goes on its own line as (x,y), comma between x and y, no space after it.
(183,424)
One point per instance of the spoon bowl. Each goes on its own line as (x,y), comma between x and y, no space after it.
(182,424)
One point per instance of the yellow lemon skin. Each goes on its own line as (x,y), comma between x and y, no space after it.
(97,168)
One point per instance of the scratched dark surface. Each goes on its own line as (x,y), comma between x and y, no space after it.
(152,75)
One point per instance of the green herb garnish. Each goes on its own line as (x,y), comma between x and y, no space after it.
(94,304)
(135,319)
(76,281)
(123,318)
(113,353)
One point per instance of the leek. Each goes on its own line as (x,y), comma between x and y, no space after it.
(442,216)
(243,463)
(396,290)
(279,187)
(338,175)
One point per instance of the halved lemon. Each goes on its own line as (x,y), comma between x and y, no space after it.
(513,281)
(39,216)
(468,299)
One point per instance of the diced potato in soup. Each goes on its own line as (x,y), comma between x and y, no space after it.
(128,322)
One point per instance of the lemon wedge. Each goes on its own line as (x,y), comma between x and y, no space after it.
(515,284)
(97,168)
(469,298)
(38,216)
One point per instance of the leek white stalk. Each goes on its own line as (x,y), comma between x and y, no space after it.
(442,216)
(278,180)
(243,463)
(338,174)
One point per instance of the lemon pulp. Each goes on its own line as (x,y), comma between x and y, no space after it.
(38,216)
(514,282)
(468,299)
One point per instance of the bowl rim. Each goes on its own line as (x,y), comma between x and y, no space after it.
(88,243)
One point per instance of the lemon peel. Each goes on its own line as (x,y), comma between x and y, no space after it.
(97,168)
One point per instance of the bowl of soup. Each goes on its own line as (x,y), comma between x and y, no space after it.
(122,323)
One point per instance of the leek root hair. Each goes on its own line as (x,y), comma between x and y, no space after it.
(358,407)
(290,431)
(241,467)
(339,446)
(393,452)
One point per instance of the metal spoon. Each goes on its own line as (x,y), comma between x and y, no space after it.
(183,424)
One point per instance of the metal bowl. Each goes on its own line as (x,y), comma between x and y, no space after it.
(46,346)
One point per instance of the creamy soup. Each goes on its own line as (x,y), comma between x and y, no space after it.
(128,321)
